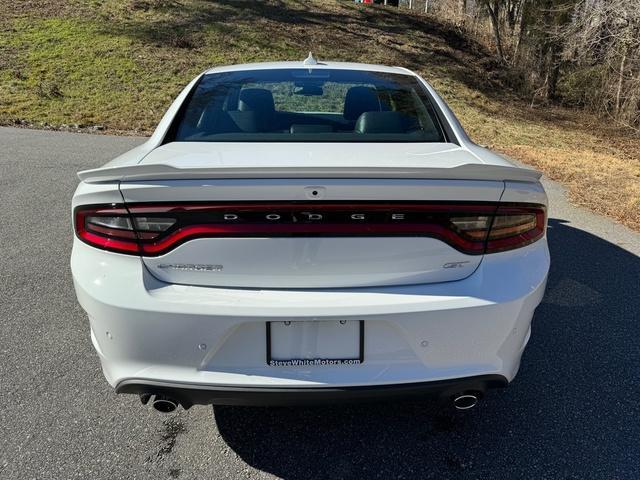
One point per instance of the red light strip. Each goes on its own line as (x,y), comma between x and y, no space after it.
(109,243)
(103,238)
(207,231)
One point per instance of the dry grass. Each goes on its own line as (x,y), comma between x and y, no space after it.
(118,63)
(606,184)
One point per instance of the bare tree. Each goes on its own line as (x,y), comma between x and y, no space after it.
(493,9)
(604,37)
(580,52)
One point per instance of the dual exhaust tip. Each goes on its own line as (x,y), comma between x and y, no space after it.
(164,404)
(461,401)
(160,402)
(466,400)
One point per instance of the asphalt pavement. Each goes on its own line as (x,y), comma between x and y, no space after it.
(572,412)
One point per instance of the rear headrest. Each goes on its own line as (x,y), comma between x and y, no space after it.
(382,122)
(359,100)
(256,99)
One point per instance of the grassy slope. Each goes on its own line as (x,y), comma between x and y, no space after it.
(118,63)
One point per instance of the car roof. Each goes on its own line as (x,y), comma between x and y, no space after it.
(320,65)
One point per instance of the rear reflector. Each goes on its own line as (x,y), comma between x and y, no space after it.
(155,229)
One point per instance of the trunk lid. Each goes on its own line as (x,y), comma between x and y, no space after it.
(332,211)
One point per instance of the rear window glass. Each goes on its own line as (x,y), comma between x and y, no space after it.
(294,105)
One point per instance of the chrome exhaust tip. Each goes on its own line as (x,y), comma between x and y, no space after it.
(465,401)
(164,404)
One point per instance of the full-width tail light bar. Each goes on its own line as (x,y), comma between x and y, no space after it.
(155,229)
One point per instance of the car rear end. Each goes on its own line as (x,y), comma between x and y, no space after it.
(307,276)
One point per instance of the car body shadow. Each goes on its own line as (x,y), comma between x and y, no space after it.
(572,412)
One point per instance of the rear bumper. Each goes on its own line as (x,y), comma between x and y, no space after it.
(147,332)
(188,395)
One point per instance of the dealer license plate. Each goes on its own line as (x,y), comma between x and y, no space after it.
(300,344)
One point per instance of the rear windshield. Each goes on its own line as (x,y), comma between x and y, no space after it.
(305,105)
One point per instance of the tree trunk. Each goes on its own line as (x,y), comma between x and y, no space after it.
(521,28)
(554,74)
(495,23)
(620,82)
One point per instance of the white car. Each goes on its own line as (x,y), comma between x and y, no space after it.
(306,232)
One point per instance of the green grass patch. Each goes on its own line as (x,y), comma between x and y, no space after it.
(69,71)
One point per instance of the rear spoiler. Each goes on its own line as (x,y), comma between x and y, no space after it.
(150,172)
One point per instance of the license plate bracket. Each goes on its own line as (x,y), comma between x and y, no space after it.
(339,342)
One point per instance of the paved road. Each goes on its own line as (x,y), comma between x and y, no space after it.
(572,412)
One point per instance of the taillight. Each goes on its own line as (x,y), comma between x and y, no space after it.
(155,229)
(515,227)
(106,227)
(114,228)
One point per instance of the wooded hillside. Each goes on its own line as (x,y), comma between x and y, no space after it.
(115,66)
(581,53)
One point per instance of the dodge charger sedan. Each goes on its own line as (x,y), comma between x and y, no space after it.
(309,232)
